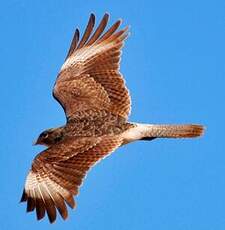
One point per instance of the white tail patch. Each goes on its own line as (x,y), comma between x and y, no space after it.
(136,133)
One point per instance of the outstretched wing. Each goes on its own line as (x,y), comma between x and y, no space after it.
(90,77)
(57,173)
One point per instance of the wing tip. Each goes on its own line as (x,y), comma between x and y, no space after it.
(106,15)
(23,197)
(52,219)
(92,17)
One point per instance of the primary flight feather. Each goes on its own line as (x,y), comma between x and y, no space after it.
(96,102)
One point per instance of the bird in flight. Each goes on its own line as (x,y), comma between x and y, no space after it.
(97,104)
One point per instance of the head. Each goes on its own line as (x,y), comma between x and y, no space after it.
(50,137)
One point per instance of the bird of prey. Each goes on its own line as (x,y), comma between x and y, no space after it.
(92,92)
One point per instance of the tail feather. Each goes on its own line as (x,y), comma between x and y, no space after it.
(174,131)
(150,132)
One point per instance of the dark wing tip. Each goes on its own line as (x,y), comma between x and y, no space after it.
(106,15)
(40,209)
(110,31)
(88,31)
(91,20)
(30,204)
(92,16)
(99,30)
(70,201)
(77,33)
(74,43)
(24,196)
(87,38)
(51,219)
(64,214)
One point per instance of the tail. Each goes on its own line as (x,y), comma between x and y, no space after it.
(149,132)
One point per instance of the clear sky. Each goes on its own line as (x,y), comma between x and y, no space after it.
(173,63)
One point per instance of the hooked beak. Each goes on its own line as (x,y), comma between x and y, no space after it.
(35,142)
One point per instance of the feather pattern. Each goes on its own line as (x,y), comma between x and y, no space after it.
(55,181)
(93,94)
(95,52)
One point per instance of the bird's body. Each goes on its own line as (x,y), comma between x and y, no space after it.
(91,123)
(97,123)
(97,104)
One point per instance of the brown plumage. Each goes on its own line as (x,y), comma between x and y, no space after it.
(96,102)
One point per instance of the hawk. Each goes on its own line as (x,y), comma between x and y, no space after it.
(97,104)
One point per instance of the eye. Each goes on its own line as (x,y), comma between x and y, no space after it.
(44,135)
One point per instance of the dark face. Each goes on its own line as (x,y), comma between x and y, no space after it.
(49,137)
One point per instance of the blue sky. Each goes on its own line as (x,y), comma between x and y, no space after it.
(173,63)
